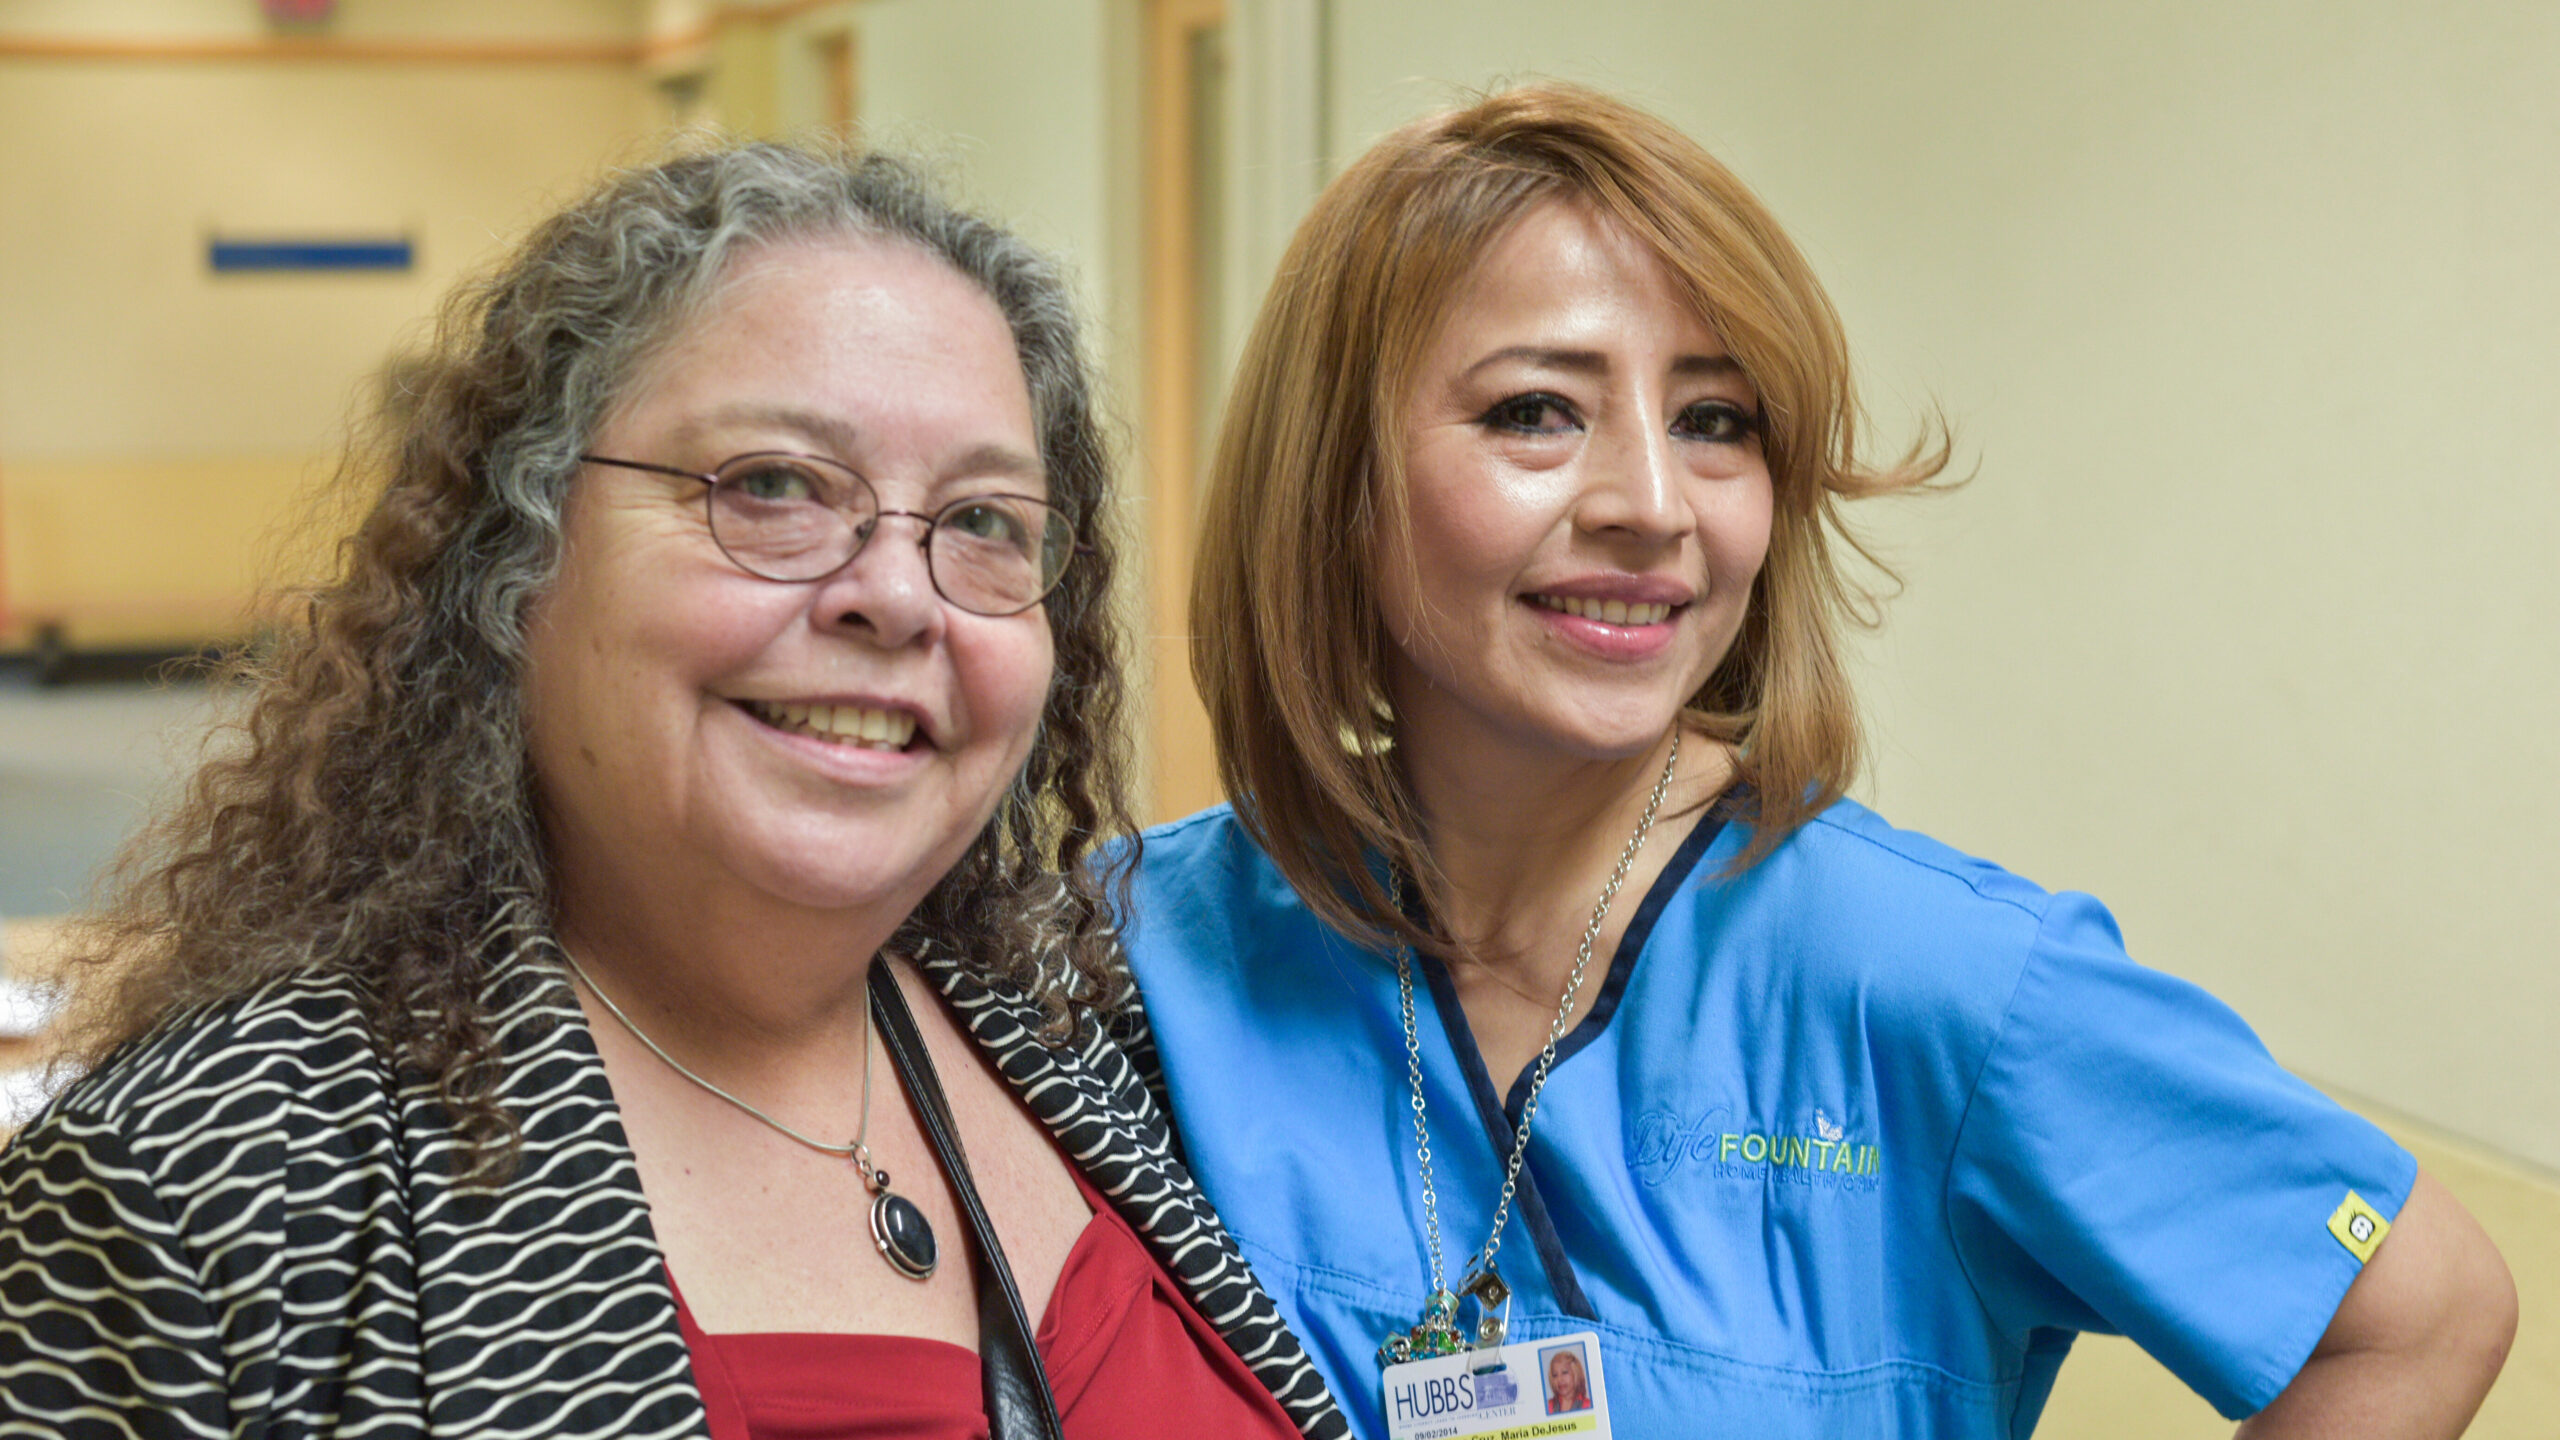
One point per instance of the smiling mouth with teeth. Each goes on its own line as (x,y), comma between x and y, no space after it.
(1607,612)
(839,724)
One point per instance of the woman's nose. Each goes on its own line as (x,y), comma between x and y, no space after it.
(885,593)
(1631,482)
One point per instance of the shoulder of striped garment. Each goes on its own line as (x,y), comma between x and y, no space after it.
(250,1210)
(1130,1030)
(1097,1102)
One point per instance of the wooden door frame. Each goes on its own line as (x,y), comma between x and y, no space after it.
(1176,364)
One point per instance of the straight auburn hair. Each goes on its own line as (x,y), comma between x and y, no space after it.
(1307,484)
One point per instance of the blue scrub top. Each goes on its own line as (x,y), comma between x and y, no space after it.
(1849,1144)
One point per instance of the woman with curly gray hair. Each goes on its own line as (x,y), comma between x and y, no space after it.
(721,688)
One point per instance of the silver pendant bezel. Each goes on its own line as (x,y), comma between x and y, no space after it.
(899,1260)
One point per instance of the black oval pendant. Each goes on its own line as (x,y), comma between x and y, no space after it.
(903,1235)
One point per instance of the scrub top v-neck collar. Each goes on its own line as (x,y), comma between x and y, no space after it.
(1498,1117)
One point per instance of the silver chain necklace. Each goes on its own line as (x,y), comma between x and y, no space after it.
(899,1231)
(1436,1333)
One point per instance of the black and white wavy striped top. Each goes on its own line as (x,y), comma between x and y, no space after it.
(243,1225)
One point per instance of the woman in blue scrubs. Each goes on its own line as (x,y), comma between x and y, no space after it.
(1543,983)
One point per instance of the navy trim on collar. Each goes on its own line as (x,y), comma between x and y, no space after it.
(1498,1117)
(1622,965)
(1497,1128)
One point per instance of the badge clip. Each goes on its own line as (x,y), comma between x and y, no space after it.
(1493,1307)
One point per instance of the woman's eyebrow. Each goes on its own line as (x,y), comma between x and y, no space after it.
(1579,362)
(1718,366)
(1592,362)
(998,462)
(825,433)
(832,435)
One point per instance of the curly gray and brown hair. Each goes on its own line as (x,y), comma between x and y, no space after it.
(374,813)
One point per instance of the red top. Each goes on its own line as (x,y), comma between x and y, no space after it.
(1127,1356)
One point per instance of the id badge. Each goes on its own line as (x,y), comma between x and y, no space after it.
(1522,1391)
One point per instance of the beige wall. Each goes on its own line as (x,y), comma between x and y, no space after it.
(1022,107)
(143,396)
(1014,96)
(401,20)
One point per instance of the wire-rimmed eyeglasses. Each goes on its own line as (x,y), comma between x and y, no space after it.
(795,518)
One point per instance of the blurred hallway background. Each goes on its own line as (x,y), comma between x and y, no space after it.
(2243,317)
(79,767)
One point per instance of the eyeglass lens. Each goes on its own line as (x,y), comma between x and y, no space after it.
(793,518)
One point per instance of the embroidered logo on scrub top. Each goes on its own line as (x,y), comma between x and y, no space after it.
(2358,1226)
(1721,1146)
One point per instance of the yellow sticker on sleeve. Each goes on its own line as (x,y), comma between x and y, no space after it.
(2358,1226)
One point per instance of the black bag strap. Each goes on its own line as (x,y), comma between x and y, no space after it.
(1019,1405)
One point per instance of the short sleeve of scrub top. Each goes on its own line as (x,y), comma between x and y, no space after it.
(1850,1142)
(2135,1161)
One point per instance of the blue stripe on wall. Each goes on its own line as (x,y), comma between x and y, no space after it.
(311,254)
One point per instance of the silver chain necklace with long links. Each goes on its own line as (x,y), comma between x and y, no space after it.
(899,1231)
(1436,1333)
